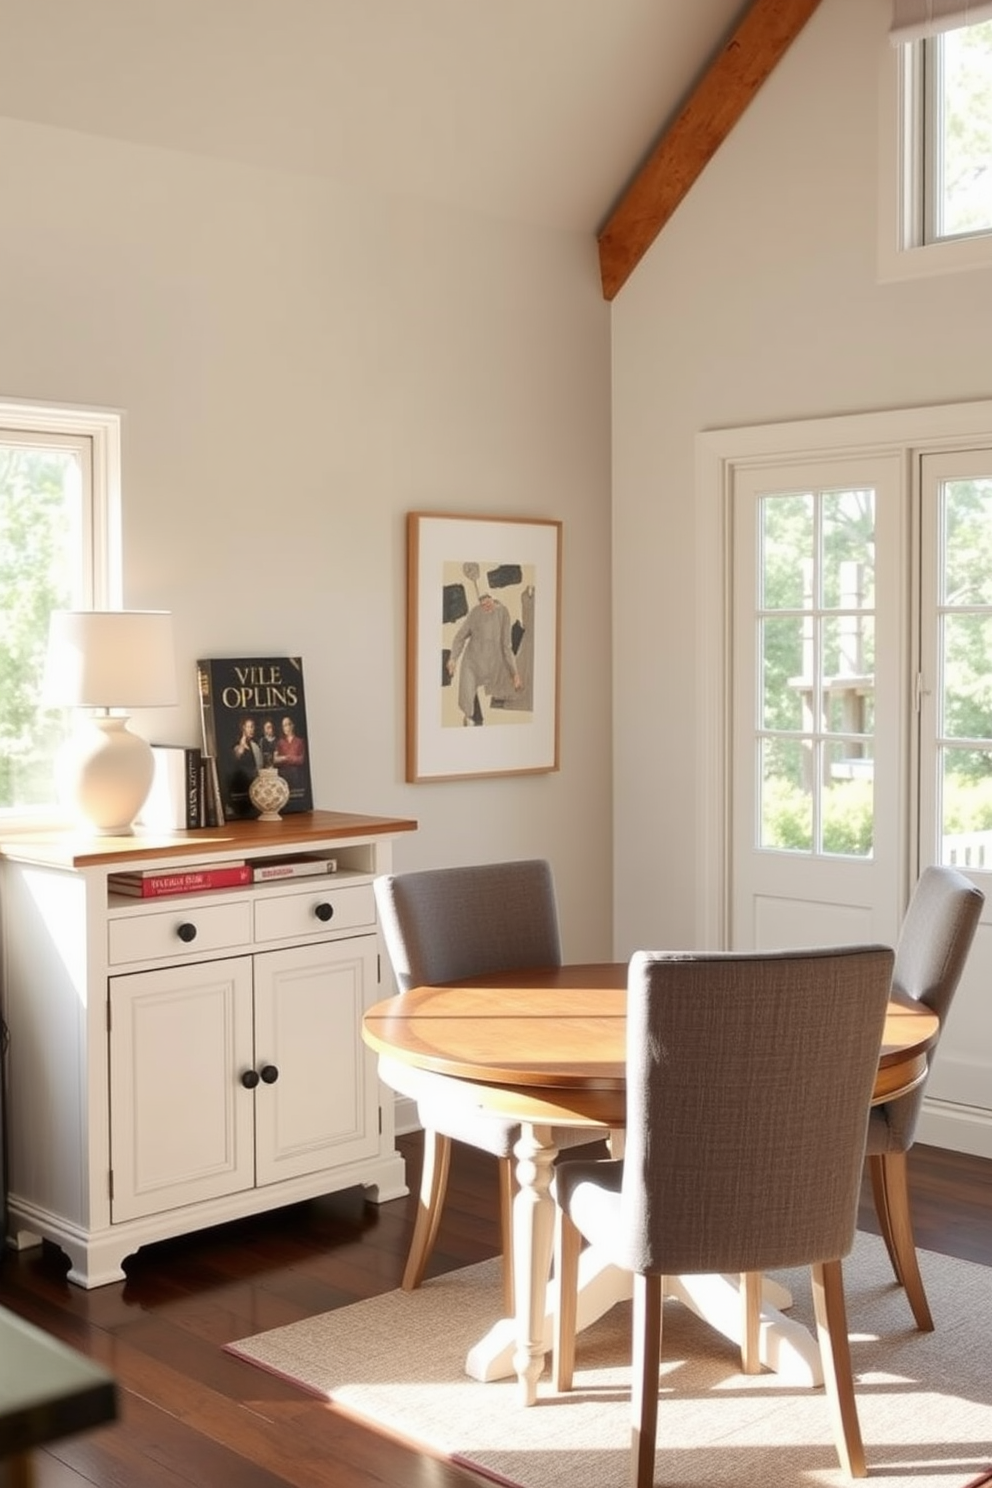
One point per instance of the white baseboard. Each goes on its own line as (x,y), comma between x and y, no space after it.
(956,1128)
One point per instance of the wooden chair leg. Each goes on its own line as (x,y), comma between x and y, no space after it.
(876,1170)
(507,1189)
(568,1243)
(646,1353)
(894,1178)
(750,1321)
(433,1184)
(835,1351)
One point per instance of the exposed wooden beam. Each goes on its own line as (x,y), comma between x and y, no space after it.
(716,104)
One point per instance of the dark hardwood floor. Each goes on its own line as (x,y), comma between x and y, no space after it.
(192,1415)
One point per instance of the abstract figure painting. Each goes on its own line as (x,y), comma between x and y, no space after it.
(483,604)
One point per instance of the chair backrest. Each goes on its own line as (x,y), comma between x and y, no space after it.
(936,937)
(444,923)
(749,1079)
(933,947)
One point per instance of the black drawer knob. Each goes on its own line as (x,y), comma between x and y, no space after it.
(186,932)
(249,1079)
(269,1074)
(323,911)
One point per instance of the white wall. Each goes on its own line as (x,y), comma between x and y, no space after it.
(759,302)
(298,368)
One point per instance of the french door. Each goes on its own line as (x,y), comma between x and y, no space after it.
(955,734)
(860,719)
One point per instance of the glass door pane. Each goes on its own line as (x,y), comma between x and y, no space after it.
(816,684)
(964,672)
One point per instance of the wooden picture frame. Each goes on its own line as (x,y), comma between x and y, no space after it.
(483,646)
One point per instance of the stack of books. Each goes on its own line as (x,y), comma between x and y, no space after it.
(155,882)
(176,800)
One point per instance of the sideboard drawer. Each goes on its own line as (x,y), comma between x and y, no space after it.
(279,916)
(180,930)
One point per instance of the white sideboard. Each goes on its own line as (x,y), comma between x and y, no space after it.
(181,1061)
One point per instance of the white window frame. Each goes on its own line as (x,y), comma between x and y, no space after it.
(95,434)
(902,253)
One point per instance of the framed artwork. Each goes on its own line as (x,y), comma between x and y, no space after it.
(483,614)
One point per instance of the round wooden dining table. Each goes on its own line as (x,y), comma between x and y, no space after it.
(548,1047)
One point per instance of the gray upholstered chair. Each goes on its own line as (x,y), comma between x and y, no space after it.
(438,925)
(749,1078)
(933,946)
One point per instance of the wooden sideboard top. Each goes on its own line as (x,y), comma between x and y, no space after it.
(67,849)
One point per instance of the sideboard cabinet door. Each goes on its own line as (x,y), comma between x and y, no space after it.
(317,1101)
(182,1122)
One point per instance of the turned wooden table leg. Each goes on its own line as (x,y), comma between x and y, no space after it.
(533,1242)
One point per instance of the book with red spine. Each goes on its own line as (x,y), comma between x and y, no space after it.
(156,884)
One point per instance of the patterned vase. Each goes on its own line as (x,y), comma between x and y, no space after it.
(268,793)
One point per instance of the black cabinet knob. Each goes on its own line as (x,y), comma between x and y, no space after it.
(249,1079)
(323,911)
(270,1074)
(186,932)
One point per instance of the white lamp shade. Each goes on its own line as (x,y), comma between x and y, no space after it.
(110,659)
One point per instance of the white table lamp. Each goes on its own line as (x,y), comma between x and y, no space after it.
(107,659)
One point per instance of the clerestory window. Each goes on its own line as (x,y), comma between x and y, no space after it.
(937,211)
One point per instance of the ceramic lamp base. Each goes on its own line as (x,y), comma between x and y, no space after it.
(104,774)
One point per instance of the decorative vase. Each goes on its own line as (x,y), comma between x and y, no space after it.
(268,793)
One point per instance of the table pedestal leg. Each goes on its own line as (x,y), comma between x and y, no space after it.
(784,1346)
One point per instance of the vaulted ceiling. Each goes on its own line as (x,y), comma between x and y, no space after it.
(581,115)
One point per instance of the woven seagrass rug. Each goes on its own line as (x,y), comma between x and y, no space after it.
(924,1399)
